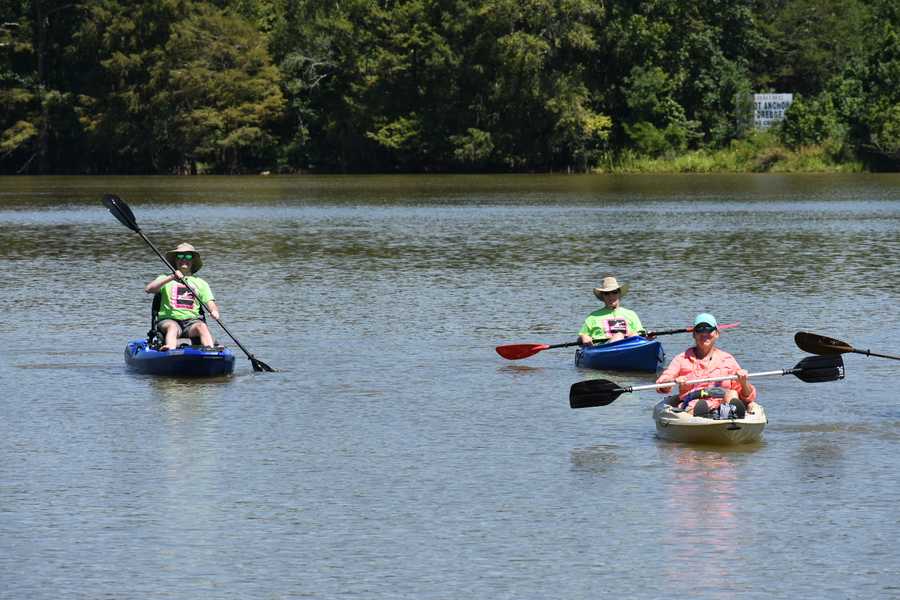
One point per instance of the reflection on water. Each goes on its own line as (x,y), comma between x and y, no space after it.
(703,508)
(520,370)
(175,389)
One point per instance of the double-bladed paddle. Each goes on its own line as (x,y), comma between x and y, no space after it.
(517,351)
(819,344)
(600,392)
(123,213)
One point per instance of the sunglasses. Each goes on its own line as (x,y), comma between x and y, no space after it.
(612,293)
(187,256)
(704,328)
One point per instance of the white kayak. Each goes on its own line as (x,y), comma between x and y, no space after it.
(679,426)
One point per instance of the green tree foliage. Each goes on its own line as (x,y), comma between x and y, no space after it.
(879,123)
(810,122)
(120,46)
(679,71)
(866,95)
(19,107)
(219,92)
(808,42)
(229,86)
(36,84)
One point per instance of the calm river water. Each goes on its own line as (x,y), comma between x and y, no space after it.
(395,454)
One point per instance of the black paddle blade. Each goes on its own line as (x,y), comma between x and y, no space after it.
(121,211)
(260,366)
(594,392)
(819,344)
(816,369)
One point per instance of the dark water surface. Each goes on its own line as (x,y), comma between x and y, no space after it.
(395,454)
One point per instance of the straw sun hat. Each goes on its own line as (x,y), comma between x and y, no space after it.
(610,284)
(196,262)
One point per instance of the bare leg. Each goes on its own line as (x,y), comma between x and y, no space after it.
(171,330)
(201,330)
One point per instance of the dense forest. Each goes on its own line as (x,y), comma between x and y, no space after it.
(246,86)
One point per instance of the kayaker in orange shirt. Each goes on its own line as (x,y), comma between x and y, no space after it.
(702,361)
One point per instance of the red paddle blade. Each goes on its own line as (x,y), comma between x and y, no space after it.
(517,351)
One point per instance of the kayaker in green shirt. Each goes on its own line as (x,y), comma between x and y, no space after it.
(612,322)
(179,311)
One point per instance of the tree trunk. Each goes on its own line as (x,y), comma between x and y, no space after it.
(44,136)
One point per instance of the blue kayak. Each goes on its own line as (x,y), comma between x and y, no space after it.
(631,354)
(185,361)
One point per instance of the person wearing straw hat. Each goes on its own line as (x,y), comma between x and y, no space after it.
(703,361)
(613,322)
(179,310)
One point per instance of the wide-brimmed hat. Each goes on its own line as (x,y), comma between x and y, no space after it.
(196,262)
(609,284)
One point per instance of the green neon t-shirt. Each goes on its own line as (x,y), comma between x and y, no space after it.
(177,302)
(602,323)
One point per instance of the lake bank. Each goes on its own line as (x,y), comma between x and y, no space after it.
(757,154)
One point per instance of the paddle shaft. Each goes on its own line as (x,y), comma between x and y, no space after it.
(517,351)
(686,330)
(648,333)
(566,345)
(708,379)
(870,353)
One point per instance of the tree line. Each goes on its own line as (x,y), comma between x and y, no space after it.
(242,86)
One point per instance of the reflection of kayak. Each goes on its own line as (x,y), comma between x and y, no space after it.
(631,354)
(679,426)
(185,361)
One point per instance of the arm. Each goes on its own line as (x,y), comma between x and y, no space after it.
(584,335)
(204,294)
(157,284)
(746,391)
(634,326)
(213,309)
(671,373)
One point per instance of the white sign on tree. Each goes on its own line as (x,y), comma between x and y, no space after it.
(769,109)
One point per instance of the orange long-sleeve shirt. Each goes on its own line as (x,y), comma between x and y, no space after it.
(717,362)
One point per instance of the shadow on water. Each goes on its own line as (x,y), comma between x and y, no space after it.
(519,370)
(873,428)
(596,459)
